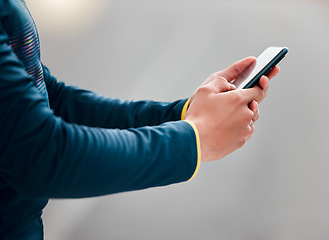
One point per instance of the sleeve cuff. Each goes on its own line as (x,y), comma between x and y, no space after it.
(184,110)
(197,143)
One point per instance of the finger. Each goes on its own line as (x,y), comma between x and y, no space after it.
(251,128)
(248,129)
(233,71)
(263,83)
(273,72)
(220,84)
(255,93)
(256,115)
(253,106)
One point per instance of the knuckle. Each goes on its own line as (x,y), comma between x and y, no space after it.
(215,75)
(249,131)
(221,79)
(203,90)
(263,94)
(239,97)
(241,143)
(218,74)
(248,116)
(252,128)
(222,82)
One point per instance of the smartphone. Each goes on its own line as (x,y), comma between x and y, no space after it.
(263,64)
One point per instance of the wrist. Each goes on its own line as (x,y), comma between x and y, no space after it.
(198,147)
(184,110)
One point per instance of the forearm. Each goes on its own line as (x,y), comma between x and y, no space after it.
(74,161)
(43,156)
(87,108)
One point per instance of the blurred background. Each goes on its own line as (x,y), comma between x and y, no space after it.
(275,187)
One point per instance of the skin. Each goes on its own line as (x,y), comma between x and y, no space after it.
(225,116)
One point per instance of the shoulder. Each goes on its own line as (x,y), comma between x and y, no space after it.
(14,15)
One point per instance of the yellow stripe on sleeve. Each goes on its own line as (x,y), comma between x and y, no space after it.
(198,148)
(185,109)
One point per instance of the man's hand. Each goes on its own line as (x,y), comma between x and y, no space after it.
(225,118)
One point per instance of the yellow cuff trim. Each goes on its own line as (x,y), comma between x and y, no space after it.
(198,148)
(185,109)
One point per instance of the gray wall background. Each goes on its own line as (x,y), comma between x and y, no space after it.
(276,186)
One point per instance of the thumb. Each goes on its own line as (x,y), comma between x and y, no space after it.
(220,85)
(233,71)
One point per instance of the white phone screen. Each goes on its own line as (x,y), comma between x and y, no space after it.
(259,65)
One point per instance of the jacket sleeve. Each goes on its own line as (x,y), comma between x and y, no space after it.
(84,107)
(43,156)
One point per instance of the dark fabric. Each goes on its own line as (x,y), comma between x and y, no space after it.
(59,141)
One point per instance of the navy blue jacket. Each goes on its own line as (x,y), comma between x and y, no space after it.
(59,141)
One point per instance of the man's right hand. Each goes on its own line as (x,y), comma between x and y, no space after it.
(225,118)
